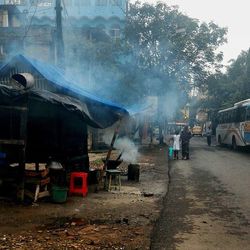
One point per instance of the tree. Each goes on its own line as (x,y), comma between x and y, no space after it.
(94,58)
(224,89)
(161,53)
(171,45)
(171,51)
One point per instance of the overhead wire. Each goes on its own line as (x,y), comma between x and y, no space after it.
(69,21)
(31,19)
(36,10)
(27,27)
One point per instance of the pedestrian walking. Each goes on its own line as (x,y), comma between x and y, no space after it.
(176,145)
(209,135)
(185,138)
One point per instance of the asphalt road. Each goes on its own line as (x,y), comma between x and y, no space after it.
(208,202)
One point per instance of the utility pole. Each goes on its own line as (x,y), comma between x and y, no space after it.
(59,36)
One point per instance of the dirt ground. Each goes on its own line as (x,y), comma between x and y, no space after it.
(102,220)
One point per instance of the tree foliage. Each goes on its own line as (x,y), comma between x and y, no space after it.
(162,50)
(167,43)
(223,90)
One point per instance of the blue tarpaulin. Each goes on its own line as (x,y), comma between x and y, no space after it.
(96,111)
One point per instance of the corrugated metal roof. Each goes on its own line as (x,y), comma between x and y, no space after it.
(56,76)
(101,111)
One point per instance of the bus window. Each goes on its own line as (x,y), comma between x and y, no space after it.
(226,117)
(242,114)
(222,115)
(248,114)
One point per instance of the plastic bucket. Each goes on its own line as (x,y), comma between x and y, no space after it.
(59,194)
(170,152)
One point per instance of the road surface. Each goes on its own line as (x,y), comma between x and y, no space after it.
(208,201)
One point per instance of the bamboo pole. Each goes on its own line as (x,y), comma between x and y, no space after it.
(112,144)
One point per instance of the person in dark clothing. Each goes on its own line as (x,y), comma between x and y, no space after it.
(185,138)
(150,133)
(209,135)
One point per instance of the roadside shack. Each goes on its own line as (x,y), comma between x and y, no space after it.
(44,117)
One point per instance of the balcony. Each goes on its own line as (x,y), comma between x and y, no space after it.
(11,32)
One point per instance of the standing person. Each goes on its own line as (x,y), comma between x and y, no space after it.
(209,135)
(150,133)
(185,138)
(176,145)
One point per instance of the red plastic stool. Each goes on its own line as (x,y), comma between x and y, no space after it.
(78,183)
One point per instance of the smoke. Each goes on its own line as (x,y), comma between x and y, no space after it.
(128,148)
(125,145)
(87,57)
(168,104)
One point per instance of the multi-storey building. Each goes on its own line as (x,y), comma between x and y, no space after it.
(29,25)
(108,15)
(11,29)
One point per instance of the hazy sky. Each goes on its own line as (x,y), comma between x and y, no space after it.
(233,14)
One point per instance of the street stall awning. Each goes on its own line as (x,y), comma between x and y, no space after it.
(97,112)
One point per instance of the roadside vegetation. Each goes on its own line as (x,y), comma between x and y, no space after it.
(225,89)
(162,51)
(168,54)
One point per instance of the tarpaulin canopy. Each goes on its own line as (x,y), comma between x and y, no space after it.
(97,112)
(139,108)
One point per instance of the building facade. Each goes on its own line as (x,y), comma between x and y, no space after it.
(28,26)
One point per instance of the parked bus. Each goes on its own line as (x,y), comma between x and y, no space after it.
(234,125)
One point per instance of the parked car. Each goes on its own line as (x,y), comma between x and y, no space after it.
(197,130)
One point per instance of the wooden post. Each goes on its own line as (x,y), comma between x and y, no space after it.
(107,159)
(22,154)
(112,144)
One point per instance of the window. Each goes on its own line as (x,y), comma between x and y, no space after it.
(17,2)
(101,2)
(233,115)
(101,27)
(4,22)
(115,2)
(115,34)
(45,3)
(227,117)
(42,3)
(221,118)
(248,114)
(242,114)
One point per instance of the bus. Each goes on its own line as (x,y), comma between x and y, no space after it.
(172,127)
(234,125)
